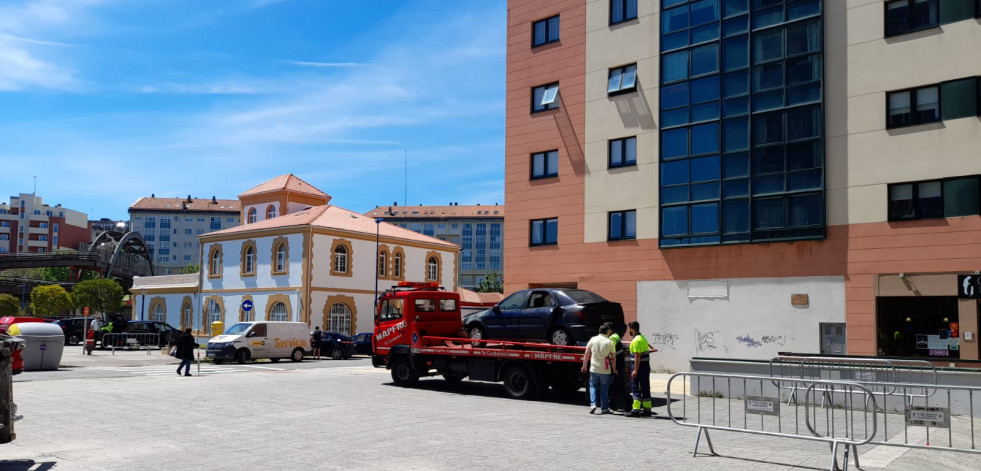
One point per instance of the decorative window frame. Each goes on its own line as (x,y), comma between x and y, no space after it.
(154,302)
(439,266)
(215,250)
(383,250)
(350,258)
(206,314)
(271,211)
(251,216)
(276,243)
(187,303)
(242,265)
(345,300)
(278,298)
(398,252)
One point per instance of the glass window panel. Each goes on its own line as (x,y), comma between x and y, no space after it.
(806,180)
(735,214)
(802,94)
(553,163)
(768,128)
(616,11)
(767,100)
(735,7)
(924,14)
(767,45)
(548,97)
(736,83)
(804,155)
(732,188)
(616,153)
(769,213)
(674,40)
(616,225)
(803,123)
(768,184)
(929,190)
(705,169)
(806,210)
(705,89)
(553,28)
(675,66)
(705,139)
(736,25)
(768,160)
(674,194)
(896,17)
(803,37)
(735,53)
(803,69)
(674,143)
(674,221)
(901,192)
(736,165)
(538,165)
(673,96)
(630,224)
(674,19)
(761,4)
(674,117)
(736,134)
(767,76)
(539,33)
(961,197)
(704,60)
(736,106)
(673,173)
(899,109)
(705,218)
(797,9)
(705,191)
(901,202)
(959,98)
(927,104)
(768,17)
(669,3)
(705,112)
(551,231)
(629,77)
(630,150)
(709,32)
(536,232)
(613,84)
(704,11)
(536,96)
(631,9)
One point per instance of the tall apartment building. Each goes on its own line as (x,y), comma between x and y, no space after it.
(752,176)
(97,227)
(476,229)
(171,226)
(27,225)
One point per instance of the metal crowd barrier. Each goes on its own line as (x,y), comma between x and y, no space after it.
(874,373)
(131,341)
(708,405)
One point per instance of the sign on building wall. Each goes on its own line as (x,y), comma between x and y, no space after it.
(969,286)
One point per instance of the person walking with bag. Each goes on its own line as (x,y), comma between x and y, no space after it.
(185,351)
(601,365)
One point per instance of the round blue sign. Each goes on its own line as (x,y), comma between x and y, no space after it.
(44,347)
(247,305)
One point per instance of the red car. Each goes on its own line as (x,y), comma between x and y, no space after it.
(7,321)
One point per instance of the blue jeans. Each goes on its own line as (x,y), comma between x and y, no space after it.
(186,364)
(602,382)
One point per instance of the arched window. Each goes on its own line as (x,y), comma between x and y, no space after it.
(432,269)
(281,257)
(339,319)
(216,263)
(340,259)
(397,266)
(278,312)
(249,261)
(382,264)
(185,316)
(270,211)
(252,215)
(158,313)
(214,314)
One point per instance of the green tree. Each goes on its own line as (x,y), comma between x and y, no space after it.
(101,295)
(63,274)
(9,305)
(492,283)
(191,268)
(49,300)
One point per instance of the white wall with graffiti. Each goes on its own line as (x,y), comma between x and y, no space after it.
(751,318)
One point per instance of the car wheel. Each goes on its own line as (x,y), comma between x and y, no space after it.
(453,378)
(242,356)
(518,382)
(336,354)
(560,336)
(297,355)
(477,333)
(73,339)
(403,374)
(275,360)
(218,362)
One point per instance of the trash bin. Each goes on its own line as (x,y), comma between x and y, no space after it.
(43,344)
(217,328)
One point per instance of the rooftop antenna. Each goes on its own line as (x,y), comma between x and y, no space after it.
(405,185)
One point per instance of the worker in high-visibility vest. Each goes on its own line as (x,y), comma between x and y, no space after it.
(620,398)
(640,377)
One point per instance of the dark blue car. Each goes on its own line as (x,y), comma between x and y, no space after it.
(557,316)
(362,343)
(336,346)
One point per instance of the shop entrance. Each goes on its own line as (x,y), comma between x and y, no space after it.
(918,326)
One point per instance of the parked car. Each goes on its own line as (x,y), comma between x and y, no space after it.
(165,331)
(336,346)
(362,343)
(557,316)
(73,328)
(7,321)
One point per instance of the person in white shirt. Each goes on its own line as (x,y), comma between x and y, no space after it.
(599,360)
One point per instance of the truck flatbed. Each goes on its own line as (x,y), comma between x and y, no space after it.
(502,350)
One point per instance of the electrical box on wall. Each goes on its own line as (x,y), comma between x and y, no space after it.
(968,336)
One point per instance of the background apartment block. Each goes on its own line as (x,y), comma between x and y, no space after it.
(752,176)
(27,225)
(476,229)
(171,226)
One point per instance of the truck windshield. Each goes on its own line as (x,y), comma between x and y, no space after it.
(238,328)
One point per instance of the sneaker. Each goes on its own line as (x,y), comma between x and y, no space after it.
(632,413)
(187,374)
(592,409)
(606,411)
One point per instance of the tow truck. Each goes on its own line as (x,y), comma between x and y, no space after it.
(419,333)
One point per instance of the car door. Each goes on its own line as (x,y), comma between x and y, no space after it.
(536,318)
(503,322)
(257,340)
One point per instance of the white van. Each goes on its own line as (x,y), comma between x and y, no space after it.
(264,339)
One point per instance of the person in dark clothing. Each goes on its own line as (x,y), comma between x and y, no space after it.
(315,341)
(619,394)
(185,351)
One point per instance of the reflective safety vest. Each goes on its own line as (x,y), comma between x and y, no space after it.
(107,328)
(617,344)
(639,345)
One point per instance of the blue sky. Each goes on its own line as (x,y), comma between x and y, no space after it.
(109,100)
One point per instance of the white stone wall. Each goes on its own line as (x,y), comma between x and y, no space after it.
(232,262)
(754,318)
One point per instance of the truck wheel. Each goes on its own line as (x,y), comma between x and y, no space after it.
(453,378)
(403,374)
(519,383)
(297,355)
(477,333)
(561,336)
(242,356)
(336,354)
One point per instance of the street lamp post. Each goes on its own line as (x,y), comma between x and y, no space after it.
(142,303)
(378,222)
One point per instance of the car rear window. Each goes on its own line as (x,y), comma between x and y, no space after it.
(584,297)
(447,304)
(425,305)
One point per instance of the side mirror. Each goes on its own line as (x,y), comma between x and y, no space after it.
(418,318)
(496,309)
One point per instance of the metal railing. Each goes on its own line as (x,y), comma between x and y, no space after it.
(874,373)
(131,341)
(708,404)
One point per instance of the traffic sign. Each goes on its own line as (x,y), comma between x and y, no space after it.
(969,286)
(247,305)
(85,311)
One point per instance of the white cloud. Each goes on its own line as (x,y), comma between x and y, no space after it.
(322,64)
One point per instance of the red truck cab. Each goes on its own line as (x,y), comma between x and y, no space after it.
(410,311)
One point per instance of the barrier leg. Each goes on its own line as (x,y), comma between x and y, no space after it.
(834,456)
(708,440)
(855,454)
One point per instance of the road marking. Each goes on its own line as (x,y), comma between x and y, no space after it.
(169,369)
